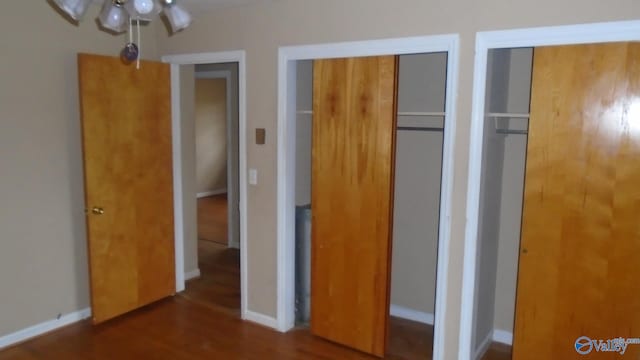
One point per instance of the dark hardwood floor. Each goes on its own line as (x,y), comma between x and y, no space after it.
(212,218)
(203,323)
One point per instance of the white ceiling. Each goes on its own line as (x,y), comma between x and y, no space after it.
(196,6)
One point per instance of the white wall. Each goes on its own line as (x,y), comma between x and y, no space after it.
(211,134)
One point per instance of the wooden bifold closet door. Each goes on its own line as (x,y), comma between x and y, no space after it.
(354,119)
(579,272)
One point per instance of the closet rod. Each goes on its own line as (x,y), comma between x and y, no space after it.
(512,132)
(420,113)
(416,128)
(508,115)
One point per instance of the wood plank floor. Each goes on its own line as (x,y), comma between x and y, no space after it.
(212,218)
(203,323)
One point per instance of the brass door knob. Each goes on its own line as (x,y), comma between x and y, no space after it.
(97,210)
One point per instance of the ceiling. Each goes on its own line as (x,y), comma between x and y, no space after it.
(196,6)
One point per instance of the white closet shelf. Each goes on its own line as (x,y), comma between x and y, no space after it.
(508,115)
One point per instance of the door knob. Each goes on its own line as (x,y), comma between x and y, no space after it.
(97,210)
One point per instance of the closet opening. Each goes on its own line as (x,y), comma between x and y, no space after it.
(508,89)
(416,196)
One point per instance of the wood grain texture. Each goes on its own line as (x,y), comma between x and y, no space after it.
(579,274)
(352,197)
(126,120)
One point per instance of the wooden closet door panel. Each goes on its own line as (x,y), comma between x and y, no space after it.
(580,247)
(354,119)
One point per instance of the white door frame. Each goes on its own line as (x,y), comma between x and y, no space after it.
(209,58)
(485,41)
(226,75)
(287,57)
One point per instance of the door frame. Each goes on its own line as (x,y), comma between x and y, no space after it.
(485,41)
(175,61)
(287,58)
(231,187)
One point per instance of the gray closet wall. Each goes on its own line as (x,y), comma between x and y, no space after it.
(504,154)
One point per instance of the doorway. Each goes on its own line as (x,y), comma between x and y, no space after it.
(492,47)
(183,76)
(288,112)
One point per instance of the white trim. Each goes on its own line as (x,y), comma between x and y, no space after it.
(484,346)
(192,274)
(210,58)
(261,319)
(543,36)
(211,193)
(178,206)
(287,57)
(410,314)
(503,336)
(43,327)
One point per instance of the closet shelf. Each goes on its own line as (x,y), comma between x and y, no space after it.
(418,128)
(508,115)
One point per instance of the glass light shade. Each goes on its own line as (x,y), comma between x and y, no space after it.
(143,9)
(178,17)
(113,17)
(74,8)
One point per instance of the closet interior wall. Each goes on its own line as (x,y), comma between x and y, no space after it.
(418,173)
(502,183)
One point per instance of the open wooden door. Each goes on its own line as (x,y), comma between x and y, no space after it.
(580,249)
(354,119)
(126,127)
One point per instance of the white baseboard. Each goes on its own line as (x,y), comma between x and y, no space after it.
(211,193)
(482,348)
(192,274)
(44,327)
(234,244)
(261,319)
(410,314)
(503,337)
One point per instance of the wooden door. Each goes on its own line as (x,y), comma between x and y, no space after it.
(126,127)
(354,119)
(580,248)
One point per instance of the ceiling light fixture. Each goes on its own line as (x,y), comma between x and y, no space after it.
(115,12)
(118,15)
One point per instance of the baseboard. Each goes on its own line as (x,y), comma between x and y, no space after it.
(482,348)
(192,274)
(234,244)
(410,314)
(44,327)
(260,319)
(503,337)
(211,193)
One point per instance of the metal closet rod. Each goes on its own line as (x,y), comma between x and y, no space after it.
(417,128)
